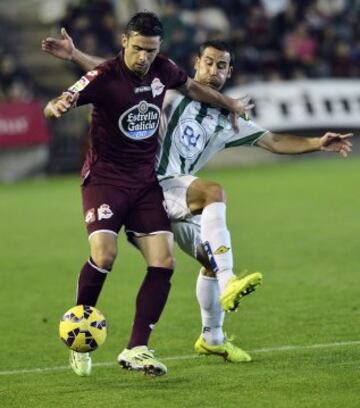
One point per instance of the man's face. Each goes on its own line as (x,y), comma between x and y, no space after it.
(213,68)
(140,51)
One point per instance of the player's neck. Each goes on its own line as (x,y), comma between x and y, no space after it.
(141,75)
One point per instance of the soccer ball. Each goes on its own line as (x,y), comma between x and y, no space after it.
(83,328)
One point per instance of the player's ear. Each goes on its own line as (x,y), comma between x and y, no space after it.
(124,40)
(196,63)
(230,72)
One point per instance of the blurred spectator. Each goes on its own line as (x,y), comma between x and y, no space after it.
(14,83)
(341,60)
(93,26)
(274,7)
(272,39)
(302,44)
(179,39)
(331,8)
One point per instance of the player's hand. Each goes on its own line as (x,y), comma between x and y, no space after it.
(336,142)
(242,106)
(61,105)
(62,48)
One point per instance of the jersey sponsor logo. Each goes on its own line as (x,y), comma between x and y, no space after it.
(140,121)
(104,212)
(157,87)
(141,89)
(189,137)
(221,250)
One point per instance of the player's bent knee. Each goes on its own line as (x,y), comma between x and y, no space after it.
(215,194)
(104,258)
(167,262)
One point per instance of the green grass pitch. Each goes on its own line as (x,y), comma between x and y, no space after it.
(297,222)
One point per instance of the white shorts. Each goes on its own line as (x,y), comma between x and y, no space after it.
(187,234)
(174,190)
(184,225)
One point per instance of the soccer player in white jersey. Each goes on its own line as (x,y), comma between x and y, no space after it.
(192,133)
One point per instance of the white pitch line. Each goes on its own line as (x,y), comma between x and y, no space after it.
(193,356)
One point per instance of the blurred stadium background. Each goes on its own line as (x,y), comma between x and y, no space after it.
(299,60)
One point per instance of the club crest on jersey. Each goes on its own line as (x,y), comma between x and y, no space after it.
(104,212)
(157,87)
(189,137)
(140,121)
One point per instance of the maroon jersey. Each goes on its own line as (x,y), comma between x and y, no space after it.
(125,119)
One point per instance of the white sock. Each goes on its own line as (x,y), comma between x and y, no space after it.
(212,316)
(214,231)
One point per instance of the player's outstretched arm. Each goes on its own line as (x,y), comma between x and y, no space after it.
(65,49)
(290,144)
(60,105)
(199,92)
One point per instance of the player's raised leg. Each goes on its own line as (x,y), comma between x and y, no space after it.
(208,198)
(212,340)
(150,302)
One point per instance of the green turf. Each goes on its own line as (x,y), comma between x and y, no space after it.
(297,222)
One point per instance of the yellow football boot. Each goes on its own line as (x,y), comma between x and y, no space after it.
(228,351)
(237,288)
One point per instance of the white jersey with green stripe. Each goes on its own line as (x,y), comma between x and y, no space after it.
(191,133)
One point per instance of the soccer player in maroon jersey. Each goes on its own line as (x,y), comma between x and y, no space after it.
(119,185)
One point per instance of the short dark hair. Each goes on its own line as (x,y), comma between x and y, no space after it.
(145,23)
(218,45)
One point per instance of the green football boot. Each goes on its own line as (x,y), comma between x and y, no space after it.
(227,351)
(237,288)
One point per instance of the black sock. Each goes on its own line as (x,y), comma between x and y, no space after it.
(150,302)
(90,283)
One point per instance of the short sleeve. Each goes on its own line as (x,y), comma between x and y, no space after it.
(176,76)
(89,88)
(249,133)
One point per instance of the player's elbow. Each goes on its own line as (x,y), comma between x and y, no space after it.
(273,143)
(188,87)
(276,148)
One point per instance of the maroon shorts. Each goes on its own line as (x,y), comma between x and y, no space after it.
(140,210)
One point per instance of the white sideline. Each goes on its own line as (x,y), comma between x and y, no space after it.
(192,356)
